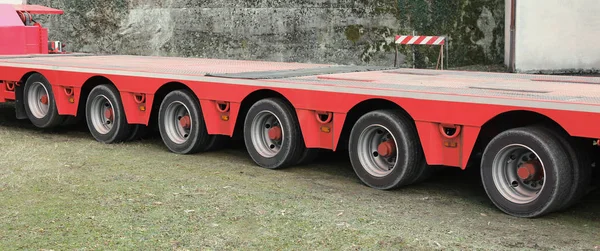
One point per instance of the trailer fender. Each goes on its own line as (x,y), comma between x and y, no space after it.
(448,145)
(66,98)
(320,129)
(220,116)
(137,107)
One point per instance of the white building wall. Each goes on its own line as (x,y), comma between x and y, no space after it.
(557,35)
(13,1)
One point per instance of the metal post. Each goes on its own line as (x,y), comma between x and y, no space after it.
(442,54)
(396,57)
(413,51)
(447,53)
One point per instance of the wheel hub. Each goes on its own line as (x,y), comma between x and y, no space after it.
(267,134)
(518,173)
(101,113)
(185,122)
(275,133)
(108,113)
(177,122)
(44,99)
(529,170)
(377,150)
(38,99)
(387,148)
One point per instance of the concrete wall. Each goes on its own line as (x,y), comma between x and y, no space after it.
(557,36)
(357,32)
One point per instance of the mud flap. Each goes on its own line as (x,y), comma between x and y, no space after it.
(19,105)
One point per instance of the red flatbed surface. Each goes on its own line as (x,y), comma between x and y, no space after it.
(161,65)
(539,91)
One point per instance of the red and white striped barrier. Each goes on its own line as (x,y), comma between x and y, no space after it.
(427,40)
(422,40)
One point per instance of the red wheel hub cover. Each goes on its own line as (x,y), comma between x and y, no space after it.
(108,113)
(185,121)
(386,148)
(44,99)
(275,133)
(528,171)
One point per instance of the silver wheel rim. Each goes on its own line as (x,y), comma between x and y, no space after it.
(99,114)
(178,122)
(369,156)
(35,100)
(262,123)
(507,180)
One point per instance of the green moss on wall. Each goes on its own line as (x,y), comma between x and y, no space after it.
(345,32)
(353,33)
(458,20)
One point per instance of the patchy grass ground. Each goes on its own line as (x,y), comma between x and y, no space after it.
(62,190)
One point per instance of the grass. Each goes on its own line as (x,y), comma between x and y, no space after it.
(62,190)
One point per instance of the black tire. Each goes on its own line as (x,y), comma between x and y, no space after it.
(38,117)
(556,167)
(581,163)
(118,129)
(308,156)
(71,121)
(291,143)
(424,173)
(218,142)
(183,140)
(410,159)
(137,132)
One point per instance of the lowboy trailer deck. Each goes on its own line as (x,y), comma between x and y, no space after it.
(532,135)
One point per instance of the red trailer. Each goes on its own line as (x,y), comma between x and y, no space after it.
(532,135)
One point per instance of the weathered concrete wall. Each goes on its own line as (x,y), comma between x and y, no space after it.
(475,28)
(323,31)
(553,36)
